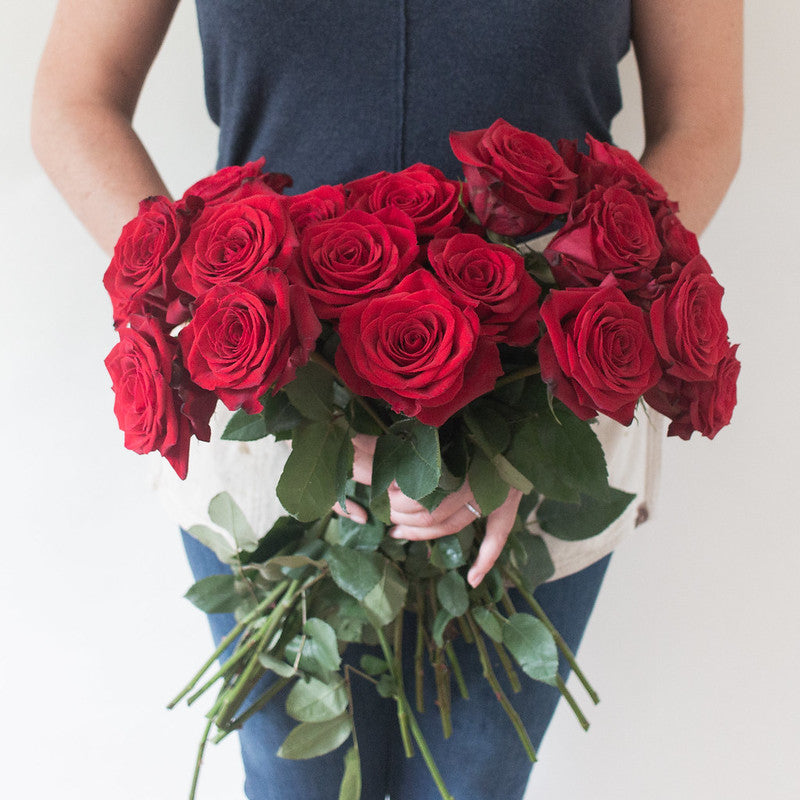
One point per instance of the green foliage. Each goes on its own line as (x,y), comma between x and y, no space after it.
(408,454)
(311,739)
(591,515)
(531,644)
(451,589)
(488,623)
(315,701)
(224,512)
(216,594)
(350,788)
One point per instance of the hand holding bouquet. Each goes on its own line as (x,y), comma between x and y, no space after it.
(409,307)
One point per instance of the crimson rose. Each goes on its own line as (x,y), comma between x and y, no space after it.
(492,279)
(516,180)
(324,202)
(354,256)
(239,343)
(421,191)
(156,406)
(418,348)
(597,354)
(236,242)
(236,182)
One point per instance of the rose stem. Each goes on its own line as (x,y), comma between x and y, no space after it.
(199,760)
(257,705)
(349,691)
(236,630)
(248,678)
(508,604)
(419,670)
(567,695)
(398,666)
(442,675)
(465,631)
(488,673)
(241,651)
(517,376)
(511,673)
(562,645)
(459,675)
(402,701)
(318,359)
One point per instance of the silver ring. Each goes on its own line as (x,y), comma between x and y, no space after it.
(473,509)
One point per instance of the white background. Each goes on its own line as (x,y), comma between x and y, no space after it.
(694,644)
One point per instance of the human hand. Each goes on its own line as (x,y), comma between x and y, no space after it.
(414,522)
(364,450)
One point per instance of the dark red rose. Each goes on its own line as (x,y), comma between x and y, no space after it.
(239,344)
(678,242)
(156,406)
(492,279)
(609,231)
(421,191)
(236,242)
(324,202)
(597,354)
(517,182)
(236,182)
(352,257)
(418,348)
(139,278)
(689,329)
(703,406)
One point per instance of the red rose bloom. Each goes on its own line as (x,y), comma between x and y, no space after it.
(236,182)
(689,329)
(597,354)
(421,191)
(236,242)
(349,258)
(324,202)
(139,277)
(609,231)
(239,344)
(704,406)
(418,348)
(516,180)
(492,279)
(156,407)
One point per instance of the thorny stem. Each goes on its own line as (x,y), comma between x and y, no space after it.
(567,695)
(517,376)
(257,705)
(456,666)
(200,750)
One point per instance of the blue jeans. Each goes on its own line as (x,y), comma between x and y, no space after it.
(482,760)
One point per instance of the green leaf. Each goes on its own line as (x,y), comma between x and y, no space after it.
(279,414)
(344,469)
(276,665)
(443,617)
(285,531)
(308,486)
(531,644)
(311,739)
(511,475)
(452,593)
(315,701)
(244,427)
(486,422)
(311,392)
(386,686)
(373,665)
(357,536)
(223,548)
(322,643)
(380,508)
(537,566)
(350,788)
(408,454)
(447,553)
(224,512)
(488,623)
(489,488)
(387,598)
(216,594)
(573,522)
(354,571)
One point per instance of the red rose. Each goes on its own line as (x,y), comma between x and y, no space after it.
(349,258)
(597,354)
(239,344)
(324,202)
(156,407)
(492,279)
(704,406)
(516,180)
(418,348)
(236,242)
(421,191)
(689,329)
(235,182)
(139,277)
(609,231)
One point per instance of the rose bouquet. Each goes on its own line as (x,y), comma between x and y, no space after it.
(421,311)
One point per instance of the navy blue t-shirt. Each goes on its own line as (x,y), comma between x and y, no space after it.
(331,91)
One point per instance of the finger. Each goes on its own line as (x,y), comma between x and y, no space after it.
(363,453)
(453,524)
(455,501)
(498,527)
(353,511)
(362,441)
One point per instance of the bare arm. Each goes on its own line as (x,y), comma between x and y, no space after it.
(95,61)
(689,54)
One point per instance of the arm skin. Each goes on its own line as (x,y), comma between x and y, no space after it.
(97,56)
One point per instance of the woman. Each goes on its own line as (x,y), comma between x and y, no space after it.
(334,91)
